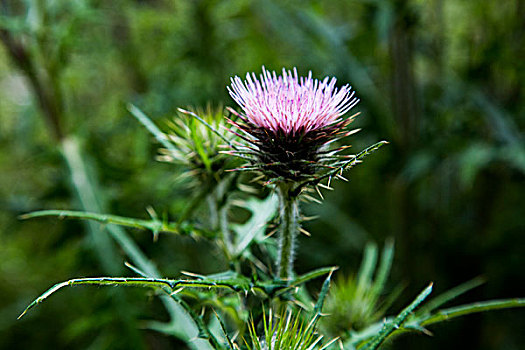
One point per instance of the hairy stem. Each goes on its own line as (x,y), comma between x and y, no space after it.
(289,227)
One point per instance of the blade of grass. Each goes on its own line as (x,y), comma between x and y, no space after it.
(85,187)
(152,128)
(384,268)
(368,265)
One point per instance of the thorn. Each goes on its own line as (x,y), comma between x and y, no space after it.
(310,218)
(351,132)
(257,178)
(191,274)
(300,304)
(238,203)
(232,111)
(152,213)
(426,332)
(334,268)
(22,314)
(319,192)
(235,336)
(270,234)
(310,198)
(177,291)
(325,187)
(247,189)
(135,269)
(354,115)
(306,233)
(341,177)
(259,264)
(155,235)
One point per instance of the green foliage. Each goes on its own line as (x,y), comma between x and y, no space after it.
(391,326)
(195,140)
(154,225)
(288,331)
(407,321)
(356,302)
(253,230)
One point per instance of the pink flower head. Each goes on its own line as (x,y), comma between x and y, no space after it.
(291,104)
(289,121)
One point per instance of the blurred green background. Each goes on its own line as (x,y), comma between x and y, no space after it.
(442,80)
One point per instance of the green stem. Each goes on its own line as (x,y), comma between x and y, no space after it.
(218,209)
(289,227)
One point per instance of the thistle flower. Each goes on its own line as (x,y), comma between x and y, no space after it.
(289,121)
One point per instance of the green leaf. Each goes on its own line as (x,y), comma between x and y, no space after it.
(453,293)
(239,283)
(312,274)
(453,312)
(153,225)
(345,165)
(253,229)
(223,328)
(390,326)
(130,282)
(318,308)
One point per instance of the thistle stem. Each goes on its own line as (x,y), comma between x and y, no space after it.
(289,228)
